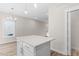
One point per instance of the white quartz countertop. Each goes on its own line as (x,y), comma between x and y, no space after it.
(34,40)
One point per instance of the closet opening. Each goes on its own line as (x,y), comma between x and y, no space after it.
(73,32)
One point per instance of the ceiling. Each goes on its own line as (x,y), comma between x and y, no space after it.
(39,13)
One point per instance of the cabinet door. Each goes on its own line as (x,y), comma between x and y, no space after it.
(27,53)
(43,49)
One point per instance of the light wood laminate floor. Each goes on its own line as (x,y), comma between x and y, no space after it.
(8,49)
(75,52)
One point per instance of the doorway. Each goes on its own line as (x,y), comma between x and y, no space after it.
(73,32)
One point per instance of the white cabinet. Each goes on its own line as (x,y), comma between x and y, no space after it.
(26,48)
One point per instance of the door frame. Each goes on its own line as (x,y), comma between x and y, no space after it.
(68,27)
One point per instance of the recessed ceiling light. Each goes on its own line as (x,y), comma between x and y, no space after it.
(35,5)
(15,18)
(26,12)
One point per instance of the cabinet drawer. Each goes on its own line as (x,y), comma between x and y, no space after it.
(28,47)
(27,53)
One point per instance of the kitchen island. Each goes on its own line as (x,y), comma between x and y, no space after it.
(33,45)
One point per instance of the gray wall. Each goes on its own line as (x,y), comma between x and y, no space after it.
(57,29)
(25,26)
